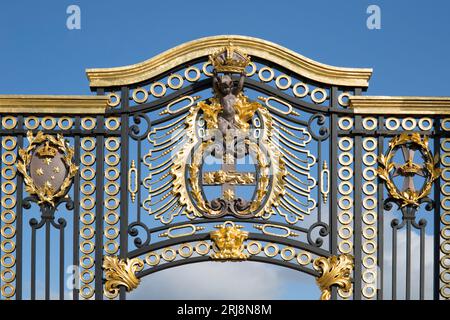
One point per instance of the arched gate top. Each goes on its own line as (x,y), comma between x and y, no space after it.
(126,75)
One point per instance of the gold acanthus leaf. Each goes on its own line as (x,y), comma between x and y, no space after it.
(335,271)
(121,272)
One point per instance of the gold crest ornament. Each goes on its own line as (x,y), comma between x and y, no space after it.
(47,167)
(335,271)
(408,144)
(229,240)
(229,59)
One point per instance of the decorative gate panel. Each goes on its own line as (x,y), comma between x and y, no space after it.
(224,148)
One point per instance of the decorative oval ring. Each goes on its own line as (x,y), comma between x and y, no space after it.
(5,141)
(11,204)
(4,215)
(5,121)
(423,126)
(199,250)
(28,124)
(366,188)
(275,248)
(112,123)
(87,247)
(367,147)
(112,147)
(345,169)
(366,204)
(343,126)
(366,158)
(346,162)
(342,146)
(115,218)
(389,126)
(188,71)
(278,82)
(368,265)
(115,188)
(87,265)
(345,221)
(369,234)
(8,275)
(184,254)
(369,247)
(368,214)
(135,95)
(153,89)
(61,123)
(91,217)
(287,257)
(305,90)
(341,99)
(111,203)
(49,126)
(344,243)
(85,190)
(300,259)
(366,176)
(180,81)
(8,287)
(85,147)
(108,249)
(169,254)
(318,100)
(10,234)
(261,74)
(154,262)
(409,127)
(6,175)
(113,99)
(111,235)
(87,203)
(366,124)
(85,176)
(369,294)
(445,124)
(113,162)
(345,235)
(5,159)
(85,124)
(86,279)
(341,187)
(115,172)
(9,242)
(250,244)
(253,71)
(85,156)
(90,232)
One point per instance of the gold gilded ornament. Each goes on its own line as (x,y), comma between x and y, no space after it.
(229,240)
(335,271)
(121,272)
(408,143)
(47,148)
(229,59)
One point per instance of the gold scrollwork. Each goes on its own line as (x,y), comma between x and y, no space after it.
(121,272)
(335,271)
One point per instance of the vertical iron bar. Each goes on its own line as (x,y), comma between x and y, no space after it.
(422,263)
(33,264)
(76,213)
(357,208)
(99,205)
(333,184)
(437,215)
(380,217)
(123,180)
(394,263)
(61,263)
(19,220)
(408,260)
(47,260)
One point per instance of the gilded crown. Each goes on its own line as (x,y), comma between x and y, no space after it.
(46,150)
(229,59)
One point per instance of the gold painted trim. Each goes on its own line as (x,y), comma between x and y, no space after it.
(106,77)
(400,105)
(56,104)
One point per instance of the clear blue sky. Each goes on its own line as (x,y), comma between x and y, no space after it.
(410,54)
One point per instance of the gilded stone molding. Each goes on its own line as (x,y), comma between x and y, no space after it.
(400,105)
(121,272)
(53,104)
(229,240)
(335,271)
(106,77)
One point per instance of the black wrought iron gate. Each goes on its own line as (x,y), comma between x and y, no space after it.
(350,189)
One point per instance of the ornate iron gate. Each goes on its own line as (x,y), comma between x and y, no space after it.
(225,148)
